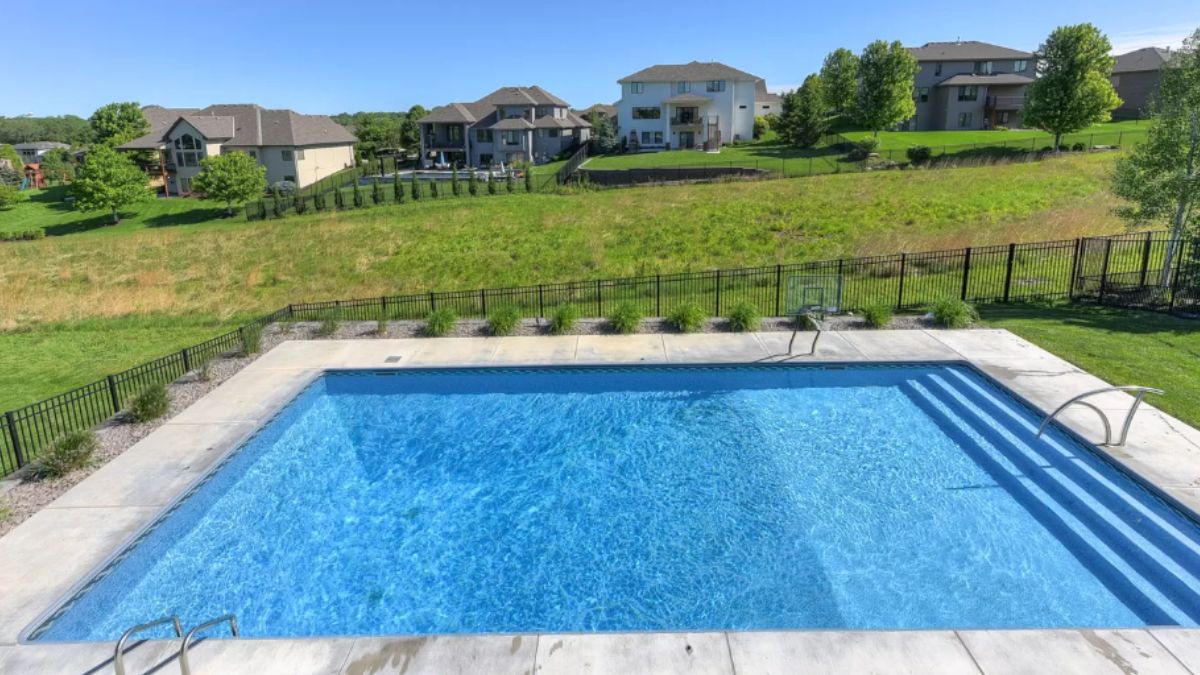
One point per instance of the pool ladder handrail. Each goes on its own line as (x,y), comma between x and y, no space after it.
(119,652)
(184,667)
(1139,393)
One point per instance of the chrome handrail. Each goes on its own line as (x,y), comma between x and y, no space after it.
(119,652)
(184,667)
(1139,391)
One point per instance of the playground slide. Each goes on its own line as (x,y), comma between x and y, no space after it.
(24,184)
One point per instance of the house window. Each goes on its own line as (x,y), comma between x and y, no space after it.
(1002,117)
(714,85)
(647,113)
(970,93)
(983,67)
(300,154)
(483,135)
(188,142)
(766,107)
(937,68)
(964,120)
(290,179)
(741,107)
(652,138)
(1020,66)
(512,137)
(485,159)
(637,87)
(553,133)
(923,94)
(253,154)
(286,155)
(454,132)
(683,87)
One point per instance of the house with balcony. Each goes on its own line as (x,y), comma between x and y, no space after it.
(511,124)
(688,105)
(298,149)
(969,85)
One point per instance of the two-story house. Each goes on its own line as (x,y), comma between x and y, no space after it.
(697,104)
(1135,76)
(299,149)
(765,102)
(969,85)
(32,153)
(511,124)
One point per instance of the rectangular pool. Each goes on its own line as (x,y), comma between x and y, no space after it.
(492,500)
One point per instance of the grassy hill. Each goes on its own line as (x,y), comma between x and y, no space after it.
(79,306)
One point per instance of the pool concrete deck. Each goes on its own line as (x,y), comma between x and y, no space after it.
(46,556)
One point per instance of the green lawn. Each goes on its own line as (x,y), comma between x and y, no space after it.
(1110,133)
(81,306)
(48,209)
(1119,346)
(770,154)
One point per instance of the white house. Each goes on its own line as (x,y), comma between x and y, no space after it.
(686,106)
(299,149)
(33,152)
(765,102)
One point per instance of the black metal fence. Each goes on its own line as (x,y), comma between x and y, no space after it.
(1124,271)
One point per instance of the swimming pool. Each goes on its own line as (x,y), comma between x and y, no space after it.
(652,498)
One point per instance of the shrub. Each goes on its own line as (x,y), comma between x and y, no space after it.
(472,183)
(416,186)
(151,404)
(919,154)
(73,450)
(23,235)
(455,186)
(376,191)
(1078,147)
(328,326)
(563,319)
(358,198)
(10,196)
(301,205)
(491,181)
(397,188)
(440,322)
(863,148)
(5,511)
(625,318)
(744,316)
(954,313)
(433,189)
(339,199)
(251,339)
(878,316)
(503,321)
(277,205)
(687,317)
(510,181)
(529,178)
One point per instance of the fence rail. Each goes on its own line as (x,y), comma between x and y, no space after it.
(1128,270)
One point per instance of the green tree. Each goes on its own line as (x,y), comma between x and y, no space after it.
(510,181)
(397,187)
(118,123)
(1072,90)
(885,95)
(805,116)
(839,74)
(491,183)
(604,133)
(10,153)
(416,186)
(472,182)
(58,164)
(10,196)
(109,181)
(410,131)
(1161,177)
(529,178)
(230,177)
(455,187)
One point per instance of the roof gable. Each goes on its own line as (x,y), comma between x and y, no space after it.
(696,71)
(1142,60)
(965,50)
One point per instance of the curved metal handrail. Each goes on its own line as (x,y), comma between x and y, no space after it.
(184,667)
(1137,401)
(119,652)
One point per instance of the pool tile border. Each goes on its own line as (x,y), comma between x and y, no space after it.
(1162,451)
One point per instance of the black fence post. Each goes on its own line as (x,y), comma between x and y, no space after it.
(778,288)
(383,303)
(291,310)
(900,297)
(1145,259)
(599,302)
(966,278)
(541,304)
(112,394)
(1074,268)
(483,301)
(1012,254)
(16,438)
(658,295)
(432,302)
(187,360)
(718,300)
(1104,270)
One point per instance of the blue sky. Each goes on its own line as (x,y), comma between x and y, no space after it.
(330,57)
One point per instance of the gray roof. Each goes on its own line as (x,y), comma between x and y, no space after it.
(696,71)
(599,108)
(452,113)
(1142,60)
(40,145)
(965,50)
(481,114)
(532,95)
(997,79)
(250,125)
(161,118)
(762,95)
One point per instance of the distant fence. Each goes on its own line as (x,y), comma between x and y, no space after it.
(628,177)
(1124,271)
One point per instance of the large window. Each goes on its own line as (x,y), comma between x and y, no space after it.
(714,85)
(683,87)
(923,94)
(1020,66)
(483,135)
(189,150)
(965,120)
(970,93)
(637,87)
(512,137)
(983,67)
(647,113)
(652,138)
(454,132)
(286,155)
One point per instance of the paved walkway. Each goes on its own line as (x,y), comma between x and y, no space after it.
(45,556)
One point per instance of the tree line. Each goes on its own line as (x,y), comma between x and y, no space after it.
(379,132)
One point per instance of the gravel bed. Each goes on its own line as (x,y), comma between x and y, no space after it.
(24,494)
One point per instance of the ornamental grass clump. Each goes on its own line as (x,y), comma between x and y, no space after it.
(878,316)
(327,327)
(69,452)
(743,317)
(440,322)
(563,319)
(625,318)
(150,404)
(687,317)
(503,321)
(954,313)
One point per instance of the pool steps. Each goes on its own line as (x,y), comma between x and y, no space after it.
(1114,528)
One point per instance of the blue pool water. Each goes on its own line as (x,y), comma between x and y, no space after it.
(653,498)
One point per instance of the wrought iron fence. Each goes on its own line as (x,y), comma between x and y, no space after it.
(1128,270)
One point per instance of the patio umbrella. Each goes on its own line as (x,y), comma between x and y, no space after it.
(441,158)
